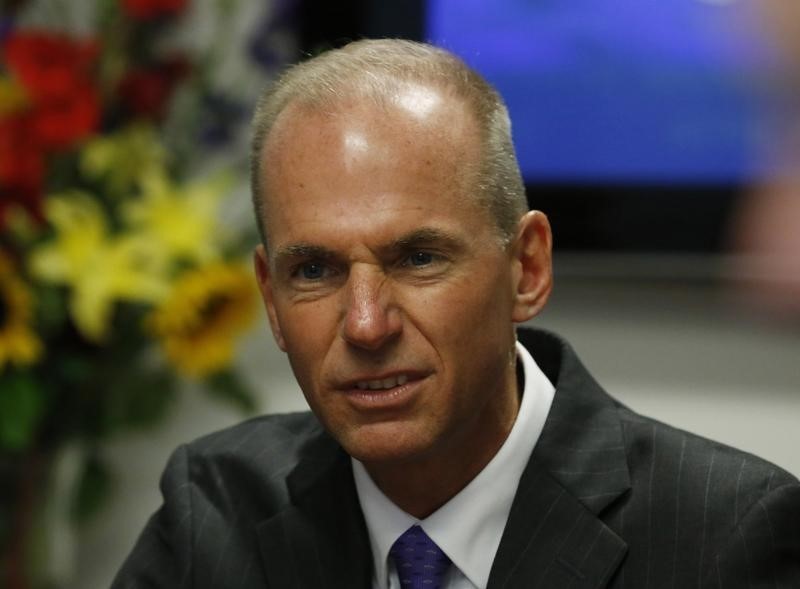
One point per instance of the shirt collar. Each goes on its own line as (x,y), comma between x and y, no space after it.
(467,528)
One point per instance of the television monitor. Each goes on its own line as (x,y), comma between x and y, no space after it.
(637,125)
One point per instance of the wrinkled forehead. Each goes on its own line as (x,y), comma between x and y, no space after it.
(428,112)
(424,134)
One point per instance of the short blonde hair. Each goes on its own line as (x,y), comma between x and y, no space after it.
(375,70)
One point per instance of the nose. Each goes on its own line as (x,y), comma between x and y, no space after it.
(370,319)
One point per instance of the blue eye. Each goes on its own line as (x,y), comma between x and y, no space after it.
(420,258)
(312,270)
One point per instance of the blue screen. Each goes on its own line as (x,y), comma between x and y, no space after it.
(621,90)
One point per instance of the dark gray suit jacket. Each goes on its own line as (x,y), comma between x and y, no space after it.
(608,499)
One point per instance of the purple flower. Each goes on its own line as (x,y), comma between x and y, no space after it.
(268,42)
(222,116)
(6,26)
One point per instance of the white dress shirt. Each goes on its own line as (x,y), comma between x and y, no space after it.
(469,526)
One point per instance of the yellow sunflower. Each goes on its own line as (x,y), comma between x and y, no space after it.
(18,342)
(207,309)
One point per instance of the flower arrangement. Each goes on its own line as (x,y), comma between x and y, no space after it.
(117,276)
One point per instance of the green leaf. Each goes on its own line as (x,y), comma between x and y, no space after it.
(142,400)
(93,489)
(229,388)
(21,408)
(74,369)
(52,309)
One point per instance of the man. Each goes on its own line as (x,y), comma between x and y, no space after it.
(397,258)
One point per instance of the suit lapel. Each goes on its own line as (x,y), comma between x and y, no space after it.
(554,537)
(320,540)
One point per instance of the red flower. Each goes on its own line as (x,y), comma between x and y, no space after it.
(49,64)
(146,91)
(21,166)
(63,119)
(151,9)
(56,73)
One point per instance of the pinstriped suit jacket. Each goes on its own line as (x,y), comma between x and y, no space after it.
(608,499)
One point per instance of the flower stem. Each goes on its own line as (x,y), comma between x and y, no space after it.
(18,576)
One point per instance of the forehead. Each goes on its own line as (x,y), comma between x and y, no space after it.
(422,142)
(413,107)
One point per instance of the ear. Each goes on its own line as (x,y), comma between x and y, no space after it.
(261,263)
(532,266)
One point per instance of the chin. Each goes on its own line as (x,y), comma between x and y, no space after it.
(384,444)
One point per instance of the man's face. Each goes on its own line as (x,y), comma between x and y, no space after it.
(386,284)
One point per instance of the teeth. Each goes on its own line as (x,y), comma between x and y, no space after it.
(382,384)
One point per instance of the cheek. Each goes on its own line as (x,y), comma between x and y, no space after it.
(481,302)
(475,329)
(308,330)
(462,317)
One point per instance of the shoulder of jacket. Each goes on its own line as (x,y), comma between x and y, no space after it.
(277,438)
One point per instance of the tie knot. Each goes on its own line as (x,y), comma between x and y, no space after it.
(420,563)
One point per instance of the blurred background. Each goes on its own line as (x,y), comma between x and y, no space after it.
(663,141)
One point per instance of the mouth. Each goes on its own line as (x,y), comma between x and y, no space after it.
(382,384)
(384,392)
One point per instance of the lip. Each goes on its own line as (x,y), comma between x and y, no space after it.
(384,399)
(352,383)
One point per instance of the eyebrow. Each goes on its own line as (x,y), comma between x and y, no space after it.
(425,236)
(302,251)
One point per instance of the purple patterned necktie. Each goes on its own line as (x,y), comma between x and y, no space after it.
(420,563)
